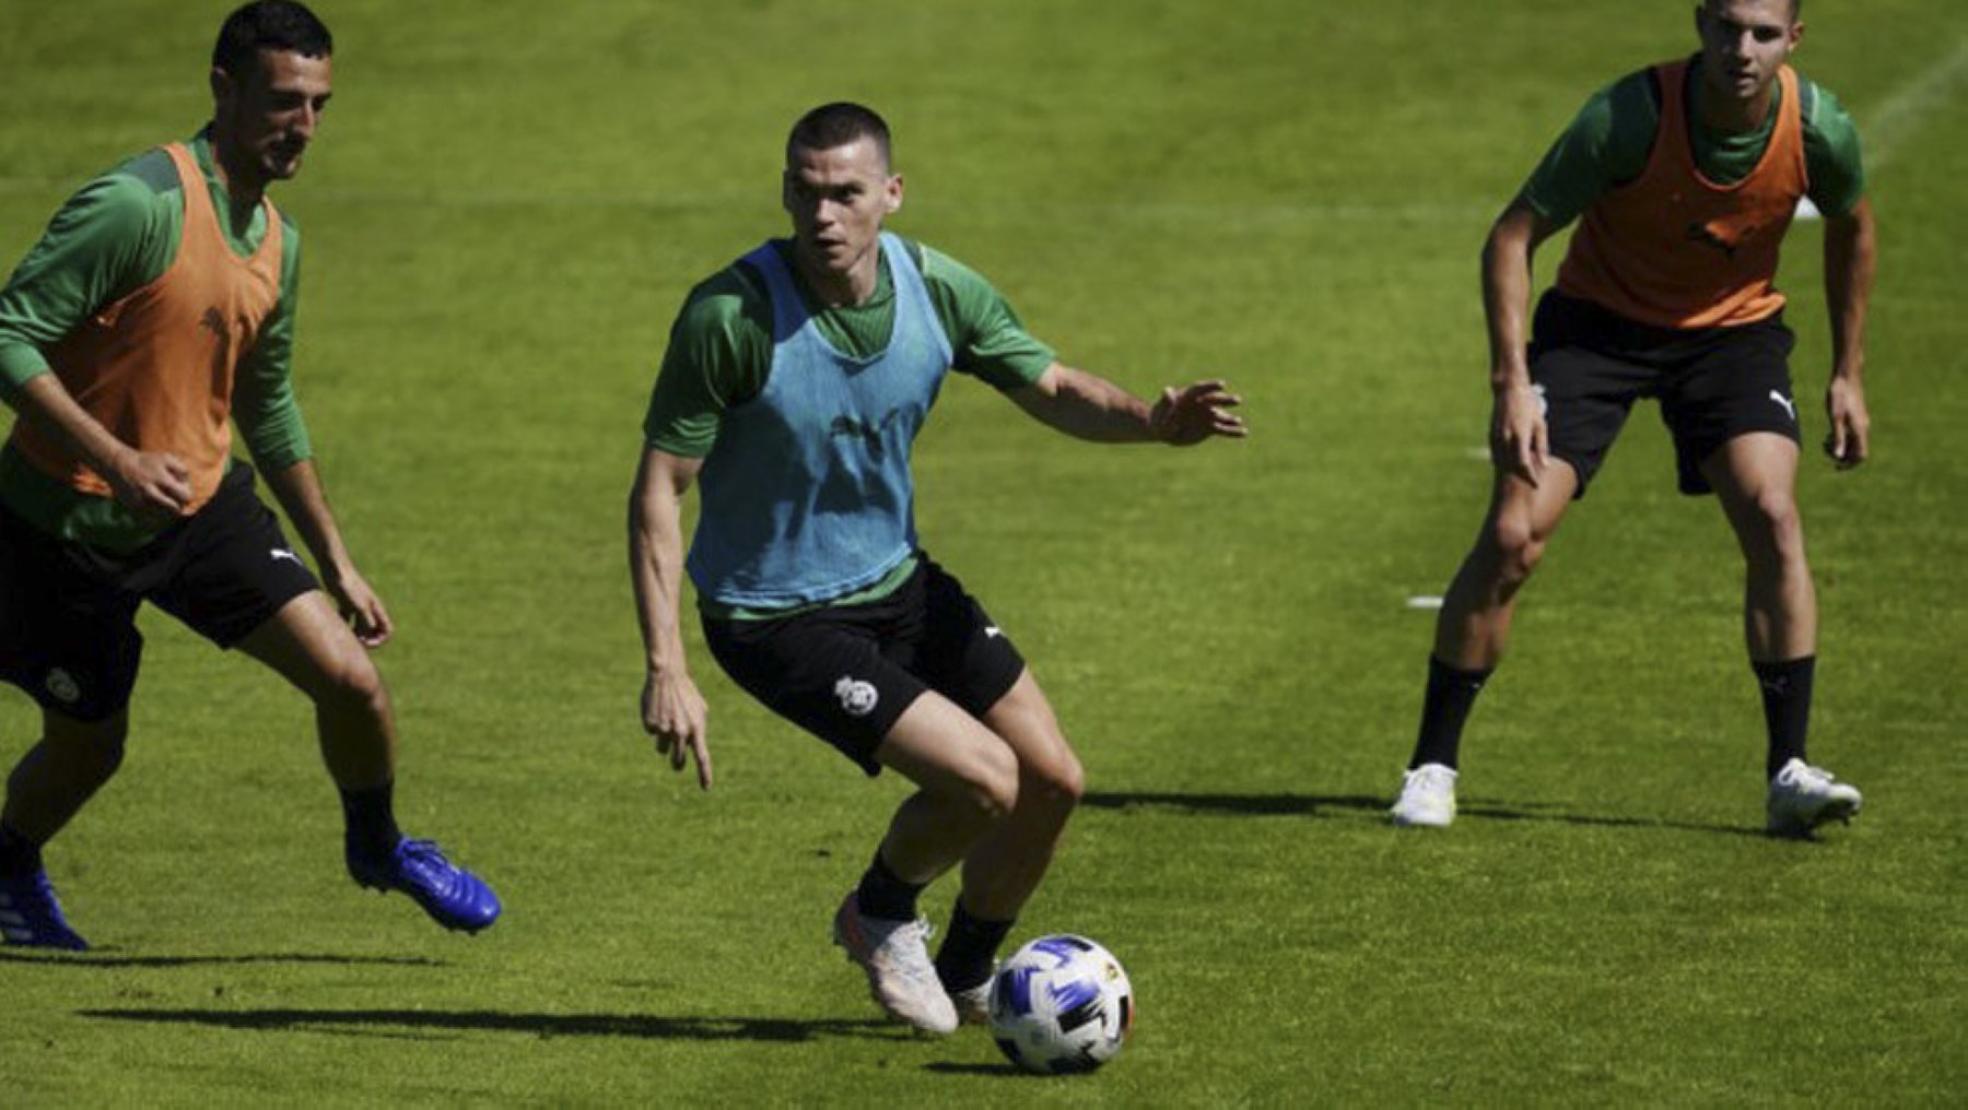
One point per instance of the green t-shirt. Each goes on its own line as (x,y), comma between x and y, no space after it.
(119,232)
(1608,143)
(720,355)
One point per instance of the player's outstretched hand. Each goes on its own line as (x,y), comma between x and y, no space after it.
(673,712)
(1519,439)
(152,483)
(361,608)
(1187,416)
(1850,437)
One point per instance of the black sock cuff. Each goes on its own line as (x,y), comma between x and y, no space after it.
(884,894)
(1439,671)
(18,855)
(969,946)
(370,816)
(1784,668)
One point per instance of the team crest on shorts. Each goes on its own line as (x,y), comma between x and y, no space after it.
(857,698)
(63,686)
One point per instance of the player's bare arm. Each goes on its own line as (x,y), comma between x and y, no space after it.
(299,489)
(1518,438)
(1090,407)
(151,482)
(1849,254)
(673,711)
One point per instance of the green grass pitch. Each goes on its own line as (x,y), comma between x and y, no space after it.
(502,214)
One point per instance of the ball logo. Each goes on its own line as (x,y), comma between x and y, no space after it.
(63,686)
(857,698)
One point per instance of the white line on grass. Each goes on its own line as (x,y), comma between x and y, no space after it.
(1902,114)
(1900,117)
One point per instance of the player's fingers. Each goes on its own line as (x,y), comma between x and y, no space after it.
(379,620)
(703,754)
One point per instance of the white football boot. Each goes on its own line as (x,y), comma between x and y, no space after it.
(900,975)
(1802,797)
(1428,797)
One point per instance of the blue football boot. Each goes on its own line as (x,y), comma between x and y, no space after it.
(454,897)
(31,916)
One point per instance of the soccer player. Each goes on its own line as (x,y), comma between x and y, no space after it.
(160,301)
(795,382)
(1685,176)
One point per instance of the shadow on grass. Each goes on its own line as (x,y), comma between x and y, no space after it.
(437,1022)
(99,958)
(1314,805)
(989,1071)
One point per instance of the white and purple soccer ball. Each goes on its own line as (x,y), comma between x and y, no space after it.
(1061,1004)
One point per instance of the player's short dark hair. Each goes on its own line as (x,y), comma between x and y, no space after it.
(269,25)
(838,124)
(1796,9)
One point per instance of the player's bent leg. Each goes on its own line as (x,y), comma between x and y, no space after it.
(1473,630)
(307,643)
(48,787)
(1009,862)
(1755,478)
(59,775)
(1474,625)
(969,782)
(1006,865)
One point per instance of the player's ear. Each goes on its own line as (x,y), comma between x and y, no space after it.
(892,193)
(222,86)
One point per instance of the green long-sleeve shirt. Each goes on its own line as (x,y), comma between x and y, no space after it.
(117,233)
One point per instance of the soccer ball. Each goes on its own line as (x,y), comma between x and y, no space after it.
(1061,1004)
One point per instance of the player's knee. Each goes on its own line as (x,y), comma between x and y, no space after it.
(1780,525)
(1057,783)
(1516,548)
(96,745)
(354,683)
(993,782)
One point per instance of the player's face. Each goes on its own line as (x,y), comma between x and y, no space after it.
(270,114)
(838,198)
(1744,43)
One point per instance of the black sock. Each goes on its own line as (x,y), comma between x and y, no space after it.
(1786,707)
(968,949)
(19,856)
(1451,693)
(885,895)
(371,816)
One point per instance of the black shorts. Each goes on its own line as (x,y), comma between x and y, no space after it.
(68,634)
(845,673)
(1589,365)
